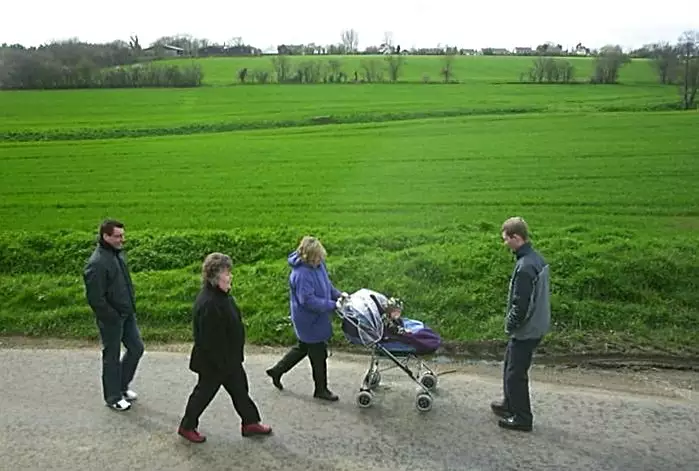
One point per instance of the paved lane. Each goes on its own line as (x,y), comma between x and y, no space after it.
(52,417)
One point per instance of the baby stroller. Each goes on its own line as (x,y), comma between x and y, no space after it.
(364,323)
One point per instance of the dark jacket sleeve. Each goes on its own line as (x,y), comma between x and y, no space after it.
(214,327)
(522,291)
(95,277)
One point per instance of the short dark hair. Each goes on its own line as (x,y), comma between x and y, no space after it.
(108,225)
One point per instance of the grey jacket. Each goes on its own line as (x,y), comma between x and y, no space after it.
(528,302)
(108,285)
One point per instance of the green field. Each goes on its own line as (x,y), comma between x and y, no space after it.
(467,69)
(407,187)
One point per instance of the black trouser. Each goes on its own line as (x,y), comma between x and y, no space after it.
(518,360)
(235,383)
(118,373)
(317,354)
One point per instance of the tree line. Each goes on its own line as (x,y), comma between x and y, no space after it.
(676,64)
(75,64)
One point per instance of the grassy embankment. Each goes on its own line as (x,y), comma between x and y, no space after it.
(411,208)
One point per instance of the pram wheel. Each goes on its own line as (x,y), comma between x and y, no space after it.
(423,402)
(429,381)
(364,399)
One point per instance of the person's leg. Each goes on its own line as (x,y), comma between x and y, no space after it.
(110,334)
(203,393)
(517,379)
(502,408)
(297,353)
(131,337)
(318,354)
(236,383)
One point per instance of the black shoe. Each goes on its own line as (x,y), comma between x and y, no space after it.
(276,379)
(513,423)
(500,409)
(326,396)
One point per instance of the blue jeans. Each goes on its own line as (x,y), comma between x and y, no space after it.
(117,374)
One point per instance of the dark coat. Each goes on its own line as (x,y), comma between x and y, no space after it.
(108,286)
(219,333)
(528,313)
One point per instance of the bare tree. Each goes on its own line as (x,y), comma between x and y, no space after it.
(448,70)
(371,70)
(387,45)
(551,70)
(689,64)
(282,67)
(134,44)
(350,41)
(395,63)
(236,41)
(608,62)
(665,61)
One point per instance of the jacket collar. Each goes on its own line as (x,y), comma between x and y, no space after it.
(108,247)
(523,250)
(215,290)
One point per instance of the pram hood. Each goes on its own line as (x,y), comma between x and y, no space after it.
(362,323)
(362,314)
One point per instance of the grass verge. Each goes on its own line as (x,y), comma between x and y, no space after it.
(612,292)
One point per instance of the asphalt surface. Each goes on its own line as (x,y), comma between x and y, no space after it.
(52,417)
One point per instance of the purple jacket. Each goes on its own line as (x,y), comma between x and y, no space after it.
(312,299)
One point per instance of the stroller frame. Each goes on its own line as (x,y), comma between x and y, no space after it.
(425,377)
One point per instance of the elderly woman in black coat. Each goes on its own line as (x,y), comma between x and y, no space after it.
(217,355)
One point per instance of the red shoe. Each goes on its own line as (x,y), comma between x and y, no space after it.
(255,429)
(191,435)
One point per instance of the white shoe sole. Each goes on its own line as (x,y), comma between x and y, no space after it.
(125,405)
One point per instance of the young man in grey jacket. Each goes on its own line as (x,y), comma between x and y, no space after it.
(110,294)
(527,320)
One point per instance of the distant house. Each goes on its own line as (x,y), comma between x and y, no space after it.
(581,50)
(495,51)
(524,51)
(468,52)
(165,50)
(291,49)
(238,50)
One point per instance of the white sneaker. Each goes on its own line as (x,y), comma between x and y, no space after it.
(130,395)
(122,405)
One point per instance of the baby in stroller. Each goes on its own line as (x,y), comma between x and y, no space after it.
(390,309)
(372,319)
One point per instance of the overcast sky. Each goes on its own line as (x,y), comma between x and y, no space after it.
(266,23)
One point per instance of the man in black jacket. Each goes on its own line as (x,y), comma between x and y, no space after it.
(218,352)
(527,320)
(110,294)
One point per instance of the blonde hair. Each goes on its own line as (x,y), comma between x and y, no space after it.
(214,264)
(311,250)
(516,226)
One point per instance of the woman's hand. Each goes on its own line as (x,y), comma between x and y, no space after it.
(344,297)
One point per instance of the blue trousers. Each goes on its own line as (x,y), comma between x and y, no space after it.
(117,373)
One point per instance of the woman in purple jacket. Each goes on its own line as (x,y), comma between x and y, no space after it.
(313,299)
